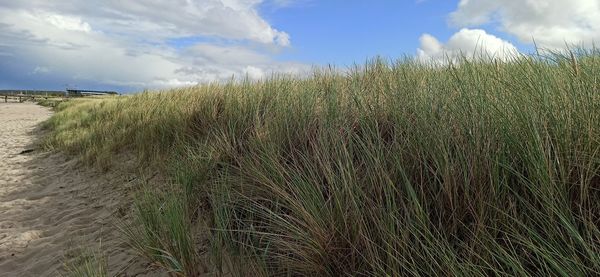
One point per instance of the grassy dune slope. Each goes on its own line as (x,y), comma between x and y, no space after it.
(472,169)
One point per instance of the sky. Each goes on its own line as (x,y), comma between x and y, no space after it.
(134,45)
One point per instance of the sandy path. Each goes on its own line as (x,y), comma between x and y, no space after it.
(51,209)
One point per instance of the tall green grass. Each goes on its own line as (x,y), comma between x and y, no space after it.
(88,263)
(470,167)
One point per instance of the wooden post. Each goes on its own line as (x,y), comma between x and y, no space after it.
(5,98)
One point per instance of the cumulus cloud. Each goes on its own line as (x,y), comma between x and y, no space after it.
(468,42)
(207,62)
(156,19)
(40,70)
(552,23)
(127,43)
(68,23)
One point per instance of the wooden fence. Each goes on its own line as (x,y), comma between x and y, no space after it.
(22,97)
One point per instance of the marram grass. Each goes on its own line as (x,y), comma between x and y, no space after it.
(469,168)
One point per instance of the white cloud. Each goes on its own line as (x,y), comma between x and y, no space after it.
(126,43)
(468,42)
(157,19)
(40,70)
(254,72)
(552,23)
(207,62)
(68,23)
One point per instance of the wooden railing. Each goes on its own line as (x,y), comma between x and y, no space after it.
(22,97)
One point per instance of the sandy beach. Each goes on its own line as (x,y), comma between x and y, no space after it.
(52,209)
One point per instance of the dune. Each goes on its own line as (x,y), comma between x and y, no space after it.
(52,209)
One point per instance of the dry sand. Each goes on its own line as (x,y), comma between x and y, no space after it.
(51,208)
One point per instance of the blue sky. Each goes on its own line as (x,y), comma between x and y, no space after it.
(343,32)
(152,44)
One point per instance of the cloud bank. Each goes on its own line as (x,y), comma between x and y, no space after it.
(130,43)
(468,42)
(551,24)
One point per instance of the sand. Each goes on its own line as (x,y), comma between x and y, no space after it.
(52,209)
